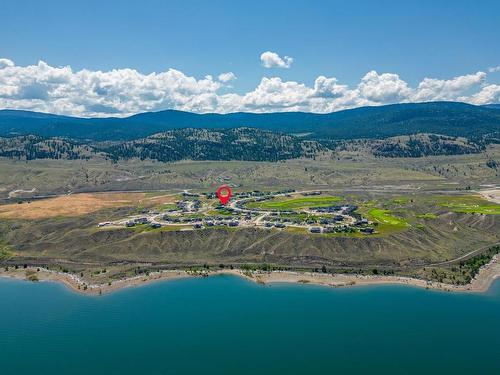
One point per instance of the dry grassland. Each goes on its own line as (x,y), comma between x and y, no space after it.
(79,204)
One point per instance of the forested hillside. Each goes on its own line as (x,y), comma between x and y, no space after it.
(225,144)
(230,144)
(400,130)
(32,147)
(447,118)
(424,145)
(181,144)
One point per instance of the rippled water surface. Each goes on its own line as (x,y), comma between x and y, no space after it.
(228,325)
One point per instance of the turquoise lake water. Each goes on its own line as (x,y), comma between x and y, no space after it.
(227,325)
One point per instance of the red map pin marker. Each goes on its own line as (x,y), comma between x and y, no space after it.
(224,193)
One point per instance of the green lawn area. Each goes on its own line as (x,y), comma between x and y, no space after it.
(297,230)
(384,217)
(401,200)
(469,204)
(427,216)
(168,206)
(220,212)
(286,204)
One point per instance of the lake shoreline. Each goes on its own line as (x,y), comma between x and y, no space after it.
(480,284)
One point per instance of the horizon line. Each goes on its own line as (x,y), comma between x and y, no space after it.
(248,112)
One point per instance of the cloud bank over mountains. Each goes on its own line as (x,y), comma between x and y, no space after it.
(122,92)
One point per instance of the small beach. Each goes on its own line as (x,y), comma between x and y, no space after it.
(481,283)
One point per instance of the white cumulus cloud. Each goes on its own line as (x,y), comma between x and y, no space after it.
(272,94)
(329,88)
(493,69)
(488,94)
(383,88)
(4,63)
(439,89)
(96,93)
(122,92)
(273,60)
(226,77)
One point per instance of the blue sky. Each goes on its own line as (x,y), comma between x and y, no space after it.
(340,39)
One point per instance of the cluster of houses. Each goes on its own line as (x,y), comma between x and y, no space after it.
(363,225)
(200,222)
(217,223)
(253,194)
(188,205)
(311,193)
(344,210)
(329,219)
(333,229)
(137,221)
(187,194)
(276,224)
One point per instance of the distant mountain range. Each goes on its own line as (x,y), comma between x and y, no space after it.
(478,123)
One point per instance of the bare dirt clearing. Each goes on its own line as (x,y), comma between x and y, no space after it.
(79,204)
(492,195)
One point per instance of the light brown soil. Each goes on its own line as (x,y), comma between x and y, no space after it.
(78,204)
(493,195)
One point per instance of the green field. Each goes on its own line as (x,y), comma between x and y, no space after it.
(384,217)
(297,230)
(168,206)
(220,212)
(427,216)
(295,203)
(401,200)
(469,205)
